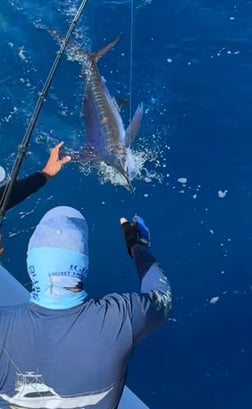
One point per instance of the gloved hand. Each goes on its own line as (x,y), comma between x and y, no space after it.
(135,233)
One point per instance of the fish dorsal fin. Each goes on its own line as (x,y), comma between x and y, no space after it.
(72,47)
(134,126)
(102,51)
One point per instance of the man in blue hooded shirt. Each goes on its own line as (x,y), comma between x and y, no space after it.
(63,349)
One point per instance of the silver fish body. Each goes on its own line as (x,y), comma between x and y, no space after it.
(106,138)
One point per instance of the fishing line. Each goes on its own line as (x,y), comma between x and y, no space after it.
(131,57)
(41,99)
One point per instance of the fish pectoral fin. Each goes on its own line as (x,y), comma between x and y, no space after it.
(134,126)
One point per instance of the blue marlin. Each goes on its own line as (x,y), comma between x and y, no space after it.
(106,138)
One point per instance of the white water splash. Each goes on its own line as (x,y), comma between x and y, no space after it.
(138,162)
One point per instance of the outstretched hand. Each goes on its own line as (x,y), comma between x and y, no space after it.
(54,163)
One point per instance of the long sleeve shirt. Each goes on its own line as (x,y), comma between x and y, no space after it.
(78,357)
(24,187)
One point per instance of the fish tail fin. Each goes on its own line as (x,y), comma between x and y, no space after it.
(70,47)
(95,56)
(102,51)
(56,35)
(60,38)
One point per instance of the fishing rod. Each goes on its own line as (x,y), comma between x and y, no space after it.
(41,99)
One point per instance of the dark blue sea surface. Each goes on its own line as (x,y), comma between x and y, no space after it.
(191,65)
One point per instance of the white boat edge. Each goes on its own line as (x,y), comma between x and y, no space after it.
(12,292)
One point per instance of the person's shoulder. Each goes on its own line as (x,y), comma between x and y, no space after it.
(113,300)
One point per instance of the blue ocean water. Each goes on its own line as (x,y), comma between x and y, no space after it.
(191,66)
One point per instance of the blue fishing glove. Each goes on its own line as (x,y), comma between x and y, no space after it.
(136,233)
